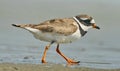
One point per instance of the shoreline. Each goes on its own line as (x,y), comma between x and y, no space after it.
(46,67)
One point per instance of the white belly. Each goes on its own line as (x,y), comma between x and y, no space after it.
(59,38)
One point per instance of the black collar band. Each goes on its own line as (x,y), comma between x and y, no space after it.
(78,20)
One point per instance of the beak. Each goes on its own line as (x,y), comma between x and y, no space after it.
(95,26)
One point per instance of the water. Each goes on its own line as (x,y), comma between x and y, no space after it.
(98,49)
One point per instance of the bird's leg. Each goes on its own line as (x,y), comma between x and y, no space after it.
(69,61)
(45,51)
(44,54)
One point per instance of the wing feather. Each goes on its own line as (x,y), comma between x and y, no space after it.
(60,26)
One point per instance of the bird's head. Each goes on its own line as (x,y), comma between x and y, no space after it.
(86,22)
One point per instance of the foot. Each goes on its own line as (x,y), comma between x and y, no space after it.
(43,61)
(69,61)
(72,62)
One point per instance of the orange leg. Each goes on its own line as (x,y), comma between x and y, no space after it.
(43,60)
(44,54)
(69,61)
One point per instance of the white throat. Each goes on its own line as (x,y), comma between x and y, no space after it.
(85,28)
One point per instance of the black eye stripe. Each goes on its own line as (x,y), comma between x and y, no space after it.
(87,21)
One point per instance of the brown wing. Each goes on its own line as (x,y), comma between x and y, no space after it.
(61,26)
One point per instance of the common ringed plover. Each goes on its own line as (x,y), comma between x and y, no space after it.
(58,31)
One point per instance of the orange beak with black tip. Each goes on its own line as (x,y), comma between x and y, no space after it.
(95,26)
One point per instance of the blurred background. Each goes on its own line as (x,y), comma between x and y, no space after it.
(98,48)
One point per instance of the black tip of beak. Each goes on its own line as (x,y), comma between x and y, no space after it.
(97,27)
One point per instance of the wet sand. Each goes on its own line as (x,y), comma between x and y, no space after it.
(46,67)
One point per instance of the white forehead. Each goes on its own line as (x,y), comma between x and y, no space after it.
(92,21)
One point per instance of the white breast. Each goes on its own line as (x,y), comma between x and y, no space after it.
(59,38)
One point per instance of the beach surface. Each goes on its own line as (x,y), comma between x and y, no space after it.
(98,50)
(46,67)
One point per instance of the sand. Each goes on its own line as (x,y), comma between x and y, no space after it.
(45,67)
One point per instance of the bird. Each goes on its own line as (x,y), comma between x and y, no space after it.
(59,31)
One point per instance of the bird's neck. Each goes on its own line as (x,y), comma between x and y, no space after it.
(85,28)
(82,28)
(78,20)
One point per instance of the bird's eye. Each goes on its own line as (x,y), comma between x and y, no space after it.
(87,22)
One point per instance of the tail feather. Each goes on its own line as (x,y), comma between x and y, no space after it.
(22,25)
(16,25)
